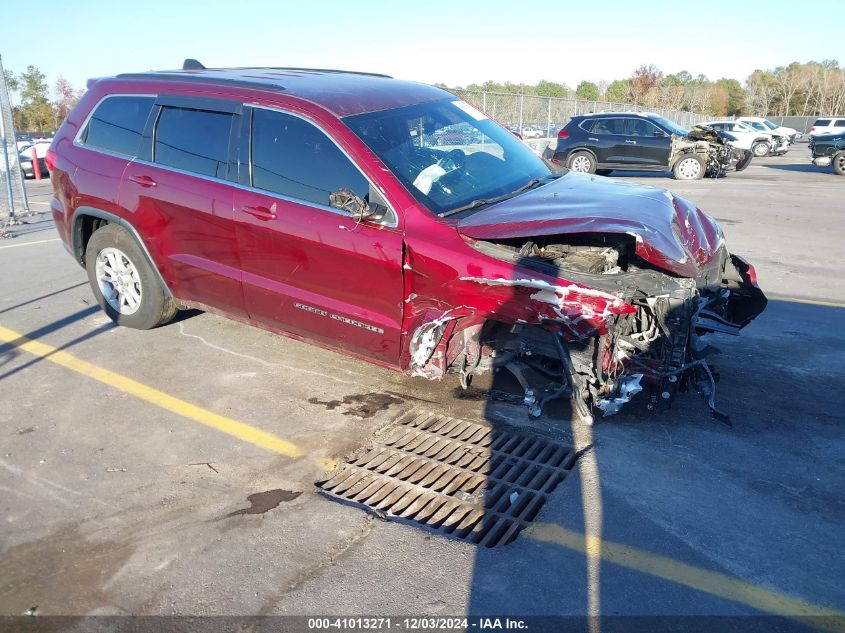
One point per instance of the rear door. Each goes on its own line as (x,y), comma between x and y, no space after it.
(308,268)
(607,136)
(180,190)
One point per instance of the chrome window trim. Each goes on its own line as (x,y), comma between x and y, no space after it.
(394,217)
(391,224)
(84,126)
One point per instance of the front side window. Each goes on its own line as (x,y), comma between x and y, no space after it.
(839,123)
(671,126)
(194,140)
(640,127)
(447,153)
(292,157)
(117,124)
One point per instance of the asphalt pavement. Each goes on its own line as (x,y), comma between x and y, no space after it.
(128,457)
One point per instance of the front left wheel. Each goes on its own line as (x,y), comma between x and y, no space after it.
(688,167)
(124,283)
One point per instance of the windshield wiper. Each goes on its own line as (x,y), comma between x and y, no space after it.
(485,201)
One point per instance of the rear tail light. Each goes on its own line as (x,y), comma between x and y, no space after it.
(50,159)
(563,134)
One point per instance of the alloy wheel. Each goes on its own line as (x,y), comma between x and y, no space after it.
(118,280)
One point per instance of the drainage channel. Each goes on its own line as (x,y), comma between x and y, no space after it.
(461,479)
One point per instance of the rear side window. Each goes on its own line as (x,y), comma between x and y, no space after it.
(194,140)
(822,122)
(839,123)
(608,126)
(292,157)
(117,124)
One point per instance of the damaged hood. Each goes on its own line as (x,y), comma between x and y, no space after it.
(670,232)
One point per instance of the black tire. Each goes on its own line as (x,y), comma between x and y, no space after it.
(154,307)
(760,149)
(582,162)
(684,168)
(603,172)
(744,160)
(838,163)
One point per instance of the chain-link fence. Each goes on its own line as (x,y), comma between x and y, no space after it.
(547,115)
(13,201)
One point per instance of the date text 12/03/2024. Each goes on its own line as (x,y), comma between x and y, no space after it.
(415,624)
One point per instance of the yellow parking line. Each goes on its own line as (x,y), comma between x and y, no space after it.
(711,582)
(55,239)
(237,429)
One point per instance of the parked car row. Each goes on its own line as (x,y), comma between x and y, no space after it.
(313,204)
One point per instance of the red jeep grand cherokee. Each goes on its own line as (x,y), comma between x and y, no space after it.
(316,204)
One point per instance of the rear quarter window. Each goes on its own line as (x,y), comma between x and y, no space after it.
(839,123)
(822,122)
(117,124)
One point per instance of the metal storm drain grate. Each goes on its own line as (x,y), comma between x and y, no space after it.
(466,480)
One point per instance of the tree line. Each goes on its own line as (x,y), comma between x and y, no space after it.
(39,110)
(801,89)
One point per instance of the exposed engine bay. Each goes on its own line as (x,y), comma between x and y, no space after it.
(719,156)
(658,344)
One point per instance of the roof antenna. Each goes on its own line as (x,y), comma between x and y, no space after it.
(192,64)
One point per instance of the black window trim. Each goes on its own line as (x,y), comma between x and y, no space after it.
(77,140)
(391,219)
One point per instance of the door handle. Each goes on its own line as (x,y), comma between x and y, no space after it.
(144,181)
(590,138)
(261,213)
(631,142)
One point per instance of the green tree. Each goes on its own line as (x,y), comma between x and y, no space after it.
(618,90)
(735,96)
(588,91)
(35,111)
(551,89)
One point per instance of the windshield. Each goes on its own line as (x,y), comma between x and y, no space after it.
(769,124)
(447,153)
(674,128)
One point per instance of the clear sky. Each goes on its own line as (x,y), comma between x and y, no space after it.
(451,41)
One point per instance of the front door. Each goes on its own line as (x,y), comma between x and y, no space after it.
(308,268)
(649,145)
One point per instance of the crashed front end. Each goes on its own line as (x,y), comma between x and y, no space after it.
(718,155)
(593,315)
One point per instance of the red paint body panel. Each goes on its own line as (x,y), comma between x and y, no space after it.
(670,232)
(187,223)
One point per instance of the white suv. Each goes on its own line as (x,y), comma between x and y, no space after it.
(764,125)
(828,125)
(760,143)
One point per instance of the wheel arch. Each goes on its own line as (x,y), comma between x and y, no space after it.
(86,220)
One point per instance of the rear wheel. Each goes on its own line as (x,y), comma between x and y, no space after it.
(760,149)
(838,163)
(582,162)
(124,284)
(688,167)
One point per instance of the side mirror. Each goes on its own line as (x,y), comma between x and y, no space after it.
(347,200)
